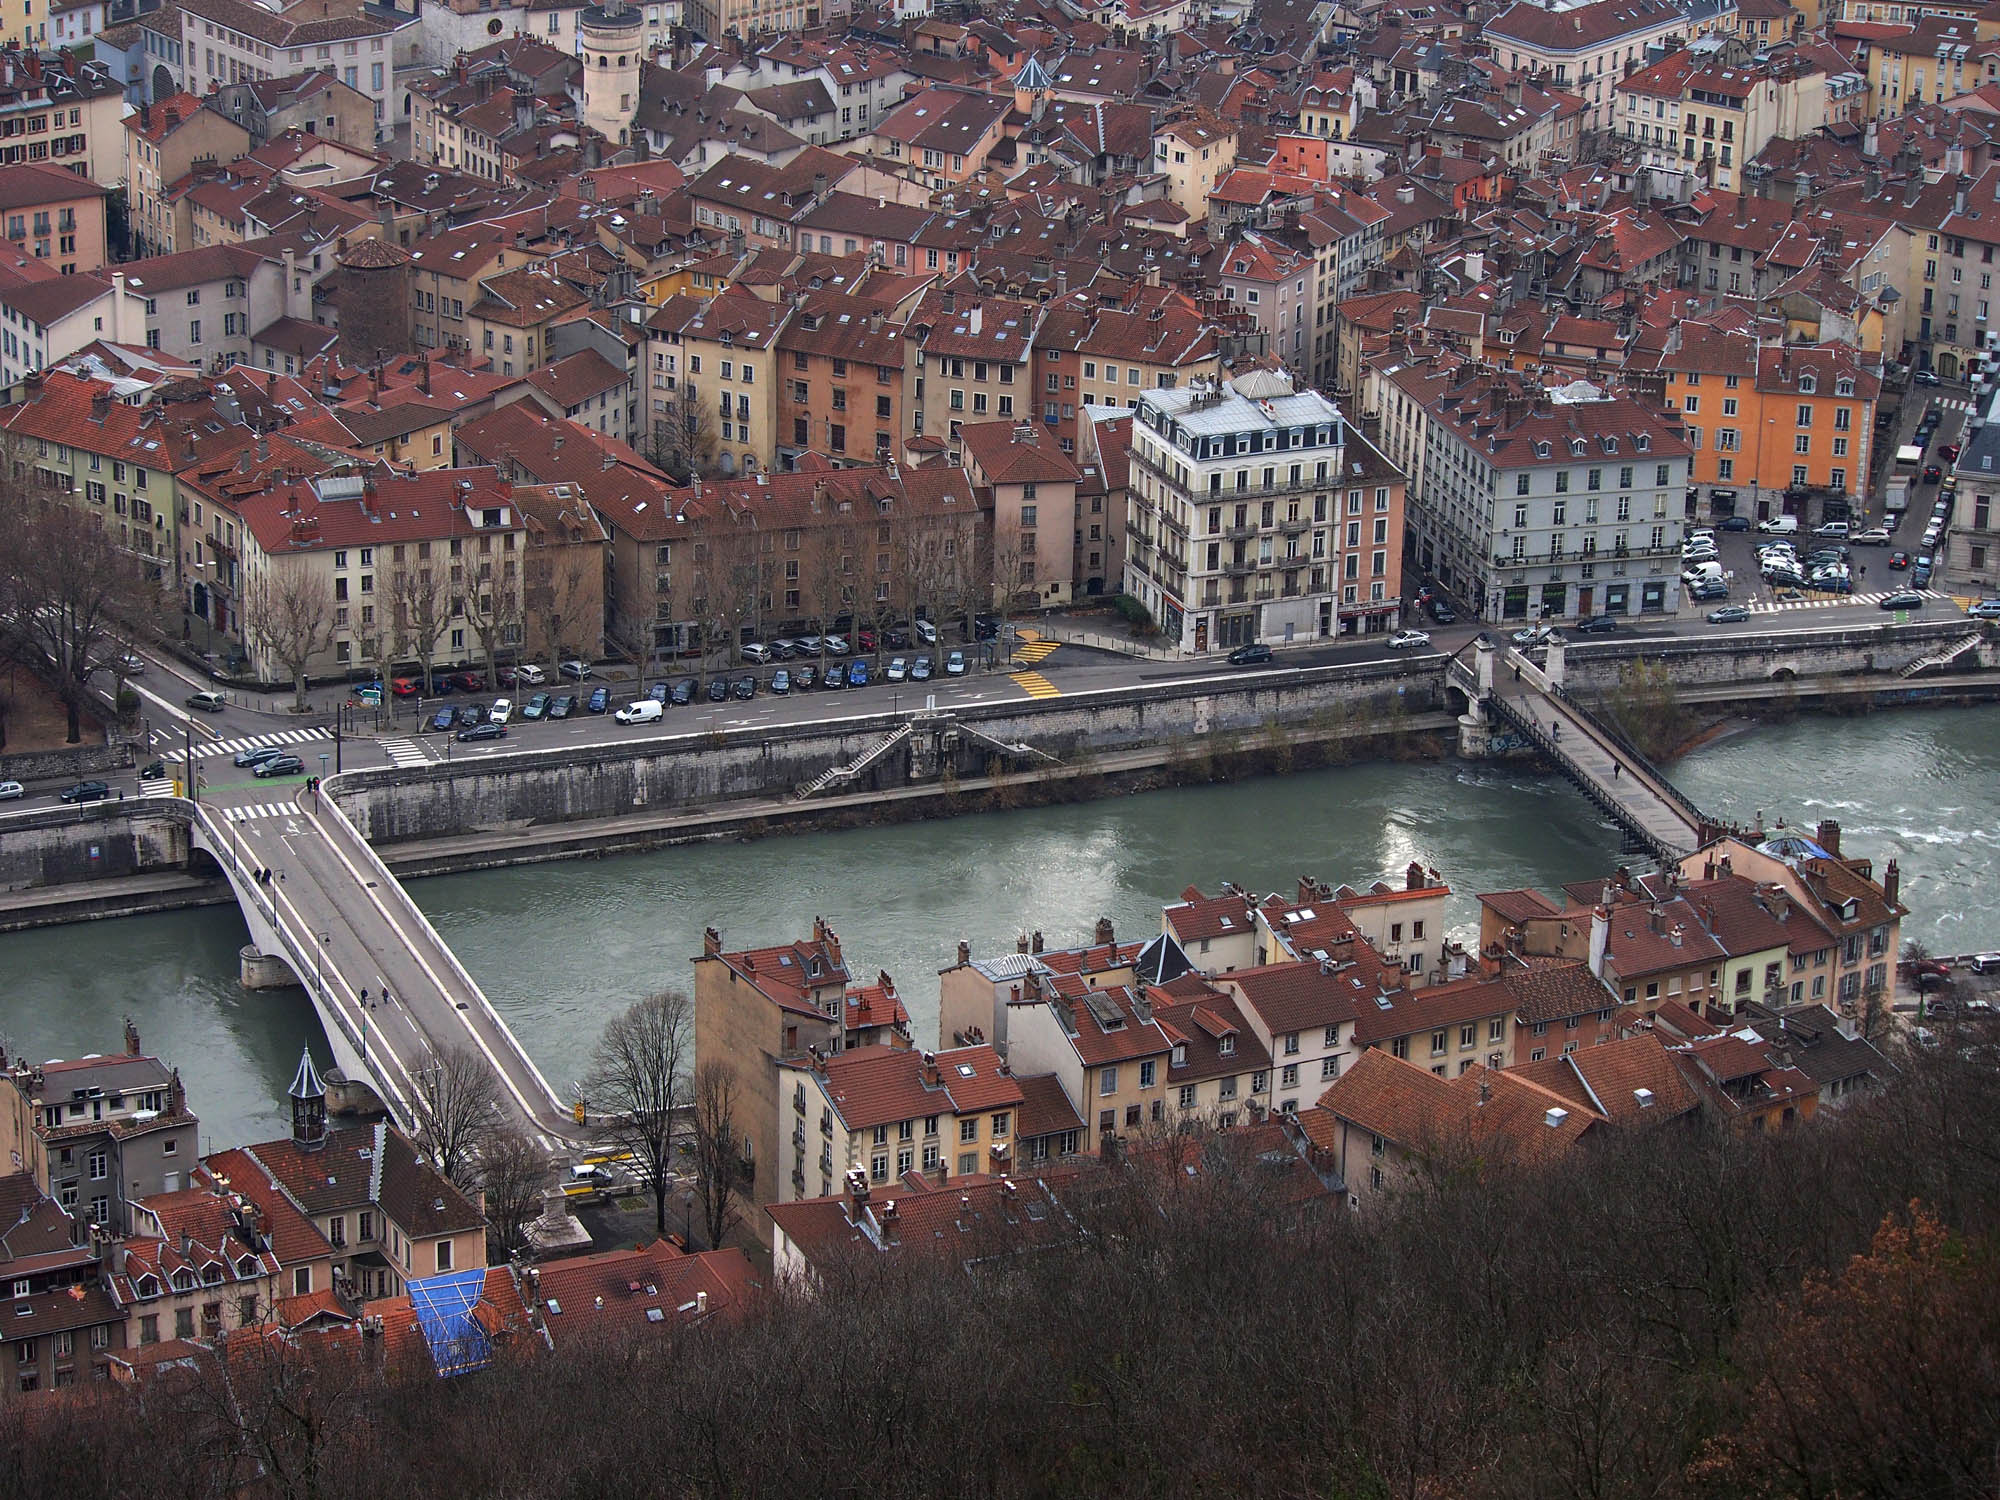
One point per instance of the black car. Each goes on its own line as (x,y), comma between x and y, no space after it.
(1440,611)
(484,732)
(153,771)
(836,675)
(896,638)
(562,705)
(682,692)
(1249,656)
(282,765)
(1905,599)
(88,791)
(600,700)
(718,690)
(745,688)
(985,627)
(1734,523)
(804,679)
(1597,624)
(658,693)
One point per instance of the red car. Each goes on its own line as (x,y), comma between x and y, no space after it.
(1950,452)
(470,682)
(405,687)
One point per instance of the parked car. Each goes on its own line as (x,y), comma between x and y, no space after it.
(281,765)
(1779,526)
(836,676)
(718,690)
(1874,536)
(926,632)
(12,791)
(1441,612)
(756,653)
(1985,609)
(208,703)
(744,687)
(256,756)
(681,694)
(87,791)
(1903,599)
(1836,530)
(897,669)
(954,664)
(529,675)
(1598,624)
(600,699)
(469,682)
(781,682)
(810,644)
(857,672)
(896,638)
(642,711)
(1729,614)
(806,678)
(1949,453)
(920,669)
(575,671)
(865,640)
(1534,635)
(1249,656)
(443,719)
(501,712)
(1405,640)
(1899,560)
(471,714)
(1925,377)
(562,705)
(836,645)
(1734,523)
(1705,593)
(535,707)
(658,693)
(1920,575)
(985,627)
(488,731)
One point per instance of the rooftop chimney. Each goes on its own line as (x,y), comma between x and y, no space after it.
(1892,883)
(965,953)
(1104,931)
(1035,942)
(711,942)
(1413,878)
(930,1070)
(1829,836)
(1021,943)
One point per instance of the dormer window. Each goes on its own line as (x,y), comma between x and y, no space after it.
(1643,442)
(148,1286)
(1180,1054)
(1844,386)
(211,1274)
(1542,450)
(183,1281)
(246,1268)
(1226,1046)
(1611,445)
(1576,447)
(1808,383)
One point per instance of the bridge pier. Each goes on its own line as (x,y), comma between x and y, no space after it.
(259,970)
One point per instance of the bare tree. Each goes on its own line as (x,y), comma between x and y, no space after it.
(512,1171)
(289,617)
(937,573)
(639,1082)
(720,1156)
(420,600)
(60,577)
(681,439)
(559,597)
(456,1103)
(490,605)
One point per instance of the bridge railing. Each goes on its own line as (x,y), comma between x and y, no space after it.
(1551,748)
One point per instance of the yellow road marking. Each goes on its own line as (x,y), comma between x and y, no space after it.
(1035,685)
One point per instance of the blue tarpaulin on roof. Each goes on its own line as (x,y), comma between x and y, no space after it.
(444,1307)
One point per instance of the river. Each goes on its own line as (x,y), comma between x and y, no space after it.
(560,947)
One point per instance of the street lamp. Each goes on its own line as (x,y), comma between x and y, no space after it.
(687,1218)
(319,979)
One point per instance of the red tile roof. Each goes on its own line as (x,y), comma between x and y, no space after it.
(625,1292)
(880,1085)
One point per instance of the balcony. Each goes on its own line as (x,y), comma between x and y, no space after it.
(1241,569)
(1293,528)
(1238,533)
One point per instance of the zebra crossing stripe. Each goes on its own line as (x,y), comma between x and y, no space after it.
(404,753)
(250,742)
(258,810)
(157,786)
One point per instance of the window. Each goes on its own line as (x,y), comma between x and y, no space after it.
(968,1131)
(1107,1080)
(444,1255)
(1187,1096)
(302,1281)
(1147,1073)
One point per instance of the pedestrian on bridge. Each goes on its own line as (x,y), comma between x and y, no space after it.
(1616,767)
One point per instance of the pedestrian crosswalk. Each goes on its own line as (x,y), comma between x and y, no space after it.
(157,786)
(1953,403)
(251,742)
(1033,648)
(259,810)
(1820,601)
(404,752)
(1035,685)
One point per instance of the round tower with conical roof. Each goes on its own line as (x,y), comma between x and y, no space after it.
(308,1105)
(612,36)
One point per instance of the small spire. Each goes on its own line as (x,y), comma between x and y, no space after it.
(306,1082)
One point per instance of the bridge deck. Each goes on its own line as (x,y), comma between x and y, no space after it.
(351,927)
(1617,779)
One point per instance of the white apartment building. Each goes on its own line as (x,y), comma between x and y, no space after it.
(1587,49)
(235,41)
(1233,513)
(1532,505)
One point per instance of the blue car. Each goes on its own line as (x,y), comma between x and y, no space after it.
(443,719)
(857,674)
(600,700)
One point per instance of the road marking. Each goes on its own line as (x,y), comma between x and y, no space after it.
(257,810)
(252,742)
(1822,601)
(404,753)
(1033,648)
(158,786)
(1035,685)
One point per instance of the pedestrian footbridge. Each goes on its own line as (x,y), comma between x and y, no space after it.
(1503,686)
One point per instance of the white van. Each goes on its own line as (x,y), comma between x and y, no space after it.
(1701,573)
(1779,526)
(640,711)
